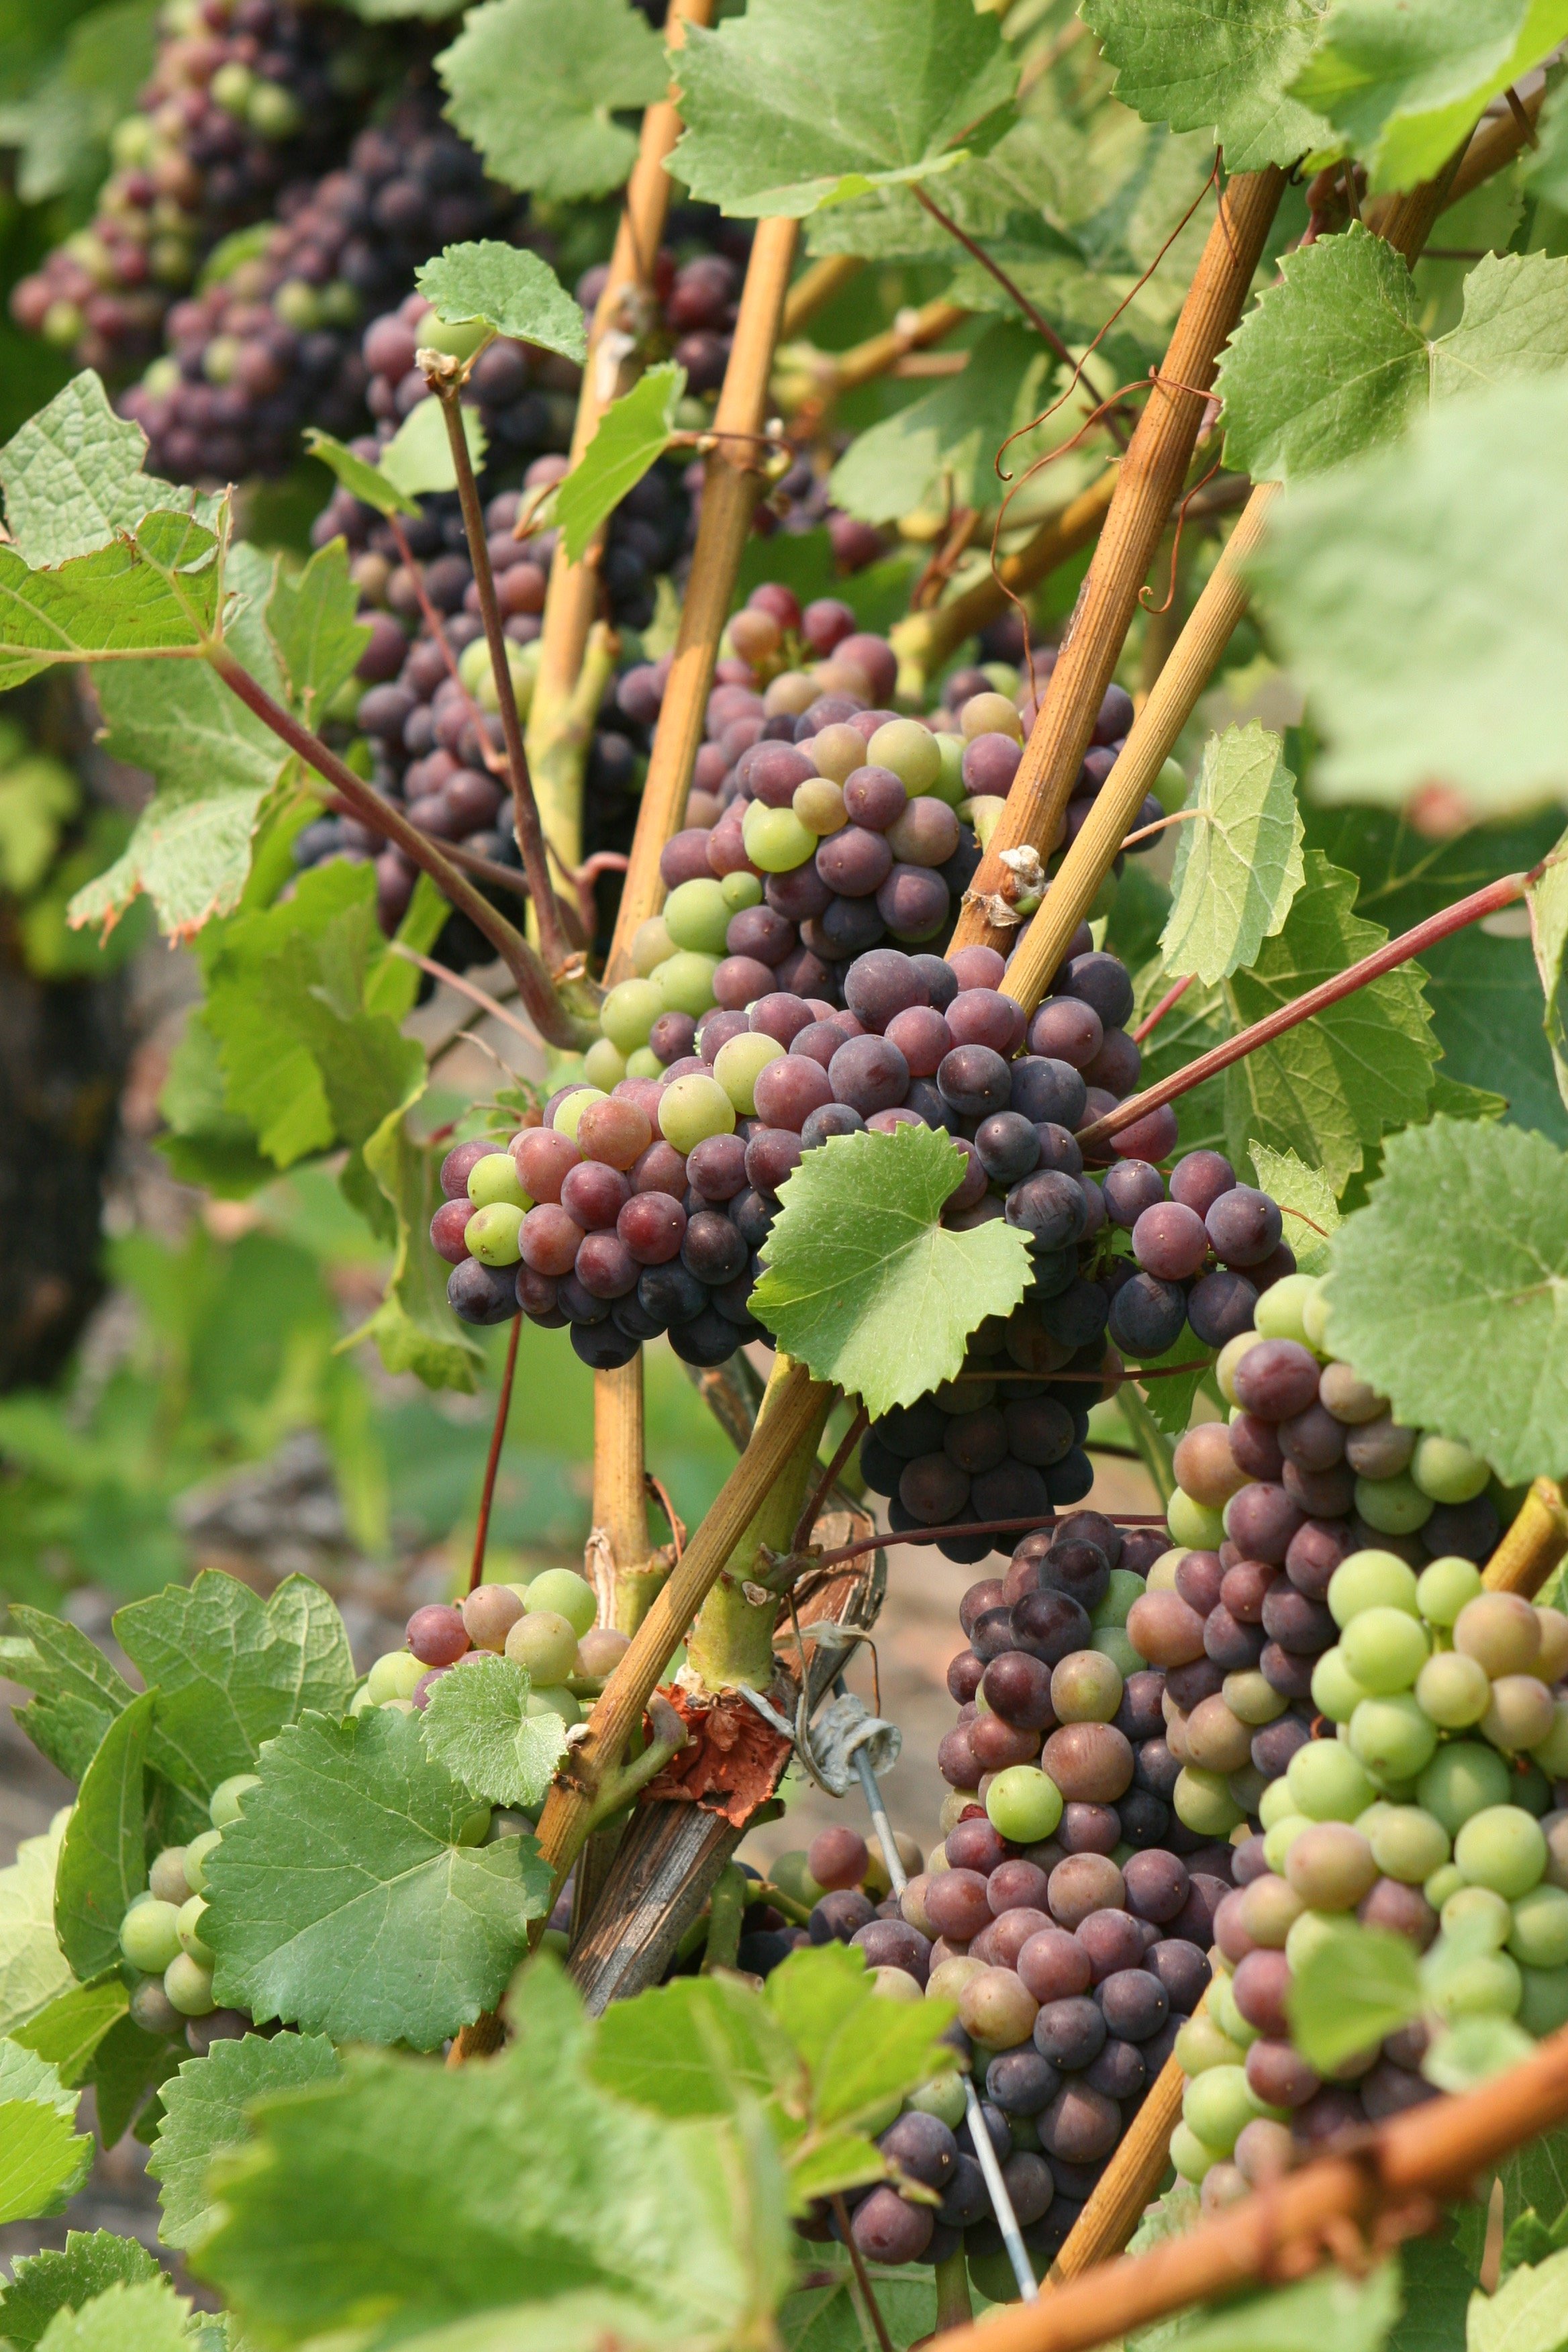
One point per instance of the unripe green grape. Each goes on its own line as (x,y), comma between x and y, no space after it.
(1444,1587)
(605,1065)
(1503,1847)
(696,915)
(909,749)
(189,1986)
(1395,1507)
(1551,1659)
(1484,1984)
(1445,1881)
(644,1063)
(1540,1938)
(1229,1357)
(1309,1934)
(1191,2156)
(1200,2044)
(229,1796)
(1335,1690)
(1202,1802)
(552,1700)
(1085,1688)
(1111,1642)
(1161,1577)
(949,784)
(1370,1580)
(1281,1307)
(943,2097)
(775,839)
(1250,1694)
(692,1109)
(166,1879)
(742,890)
(494,1178)
(545,1643)
(1520,1713)
(1270,1908)
(1453,1690)
(570,1108)
(1193,1524)
(1392,1737)
(1218,2104)
(568,1594)
(651,946)
(1023,1804)
(1124,1588)
(895,1984)
(738,1064)
(685,983)
(1315,1320)
(1277,1805)
(1327,1782)
(458,338)
(1478,1919)
(1462,1778)
(1447,1470)
(1281,1836)
(197,1854)
(1384,1649)
(819,804)
(1552,1753)
(948,1979)
(1408,1844)
(997,2008)
(189,1930)
(1222,2008)
(150,1934)
(491,1234)
(395,1675)
(1543,2000)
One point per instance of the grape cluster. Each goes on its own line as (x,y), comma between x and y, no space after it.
(249,100)
(1436,1808)
(161,1938)
(273,342)
(546,1626)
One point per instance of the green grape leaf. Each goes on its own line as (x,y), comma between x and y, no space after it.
(408,2197)
(33,1972)
(798,104)
(69,2032)
(828,2318)
(696,2046)
(1473,2050)
(512,290)
(1403,80)
(215,765)
(1333,1085)
(304,1063)
(413,1328)
(1358,1985)
(42,2284)
(103,1860)
(1333,359)
(1528,2312)
(127,2066)
(204,2115)
(154,593)
(1238,861)
(947,442)
(632,435)
(478,1725)
(232,1669)
(1534,2178)
(1549,932)
(536,89)
(864,1284)
(134,2316)
(1437,2286)
(1225,65)
(358,476)
(857,2051)
(204,1142)
(1409,681)
(1354,2314)
(1306,1199)
(418,457)
(38,795)
(1169,1401)
(342,1902)
(73,479)
(43,2162)
(78,1692)
(1444,1290)
(310,621)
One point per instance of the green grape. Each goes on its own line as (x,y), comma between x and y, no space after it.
(1335,1690)
(1543,2000)
(1331,1866)
(1461,1779)
(943,2097)
(166,1879)
(473,1826)
(1200,2044)
(1252,1697)
(1309,1934)
(1328,1782)
(1447,1470)
(1530,1787)
(197,1854)
(1193,1524)
(494,1178)
(1481,1984)
(775,839)
(395,1675)
(1444,1587)
(1446,1880)
(909,749)
(1383,1650)
(630,1010)
(1540,1938)
(1407,1843)
(1276,1804)
(949,785)
(1202,1802)
(150,1934)
(605,1065)
(1392,1737)
(1478,1919)
(1229,1357)
(228,1797)
(1123,1590)
(1503,1847)
(545,1643)
(1190,2158)
(1218,2104)
(491,1234)
(569,1595)
(738,1066)
(1395,1507)
(1370,1580)
(685,983)
(189,1986)
(651,945)
(1552,1753)
(1315,1320)
(693,1108)
(1023,1804)
(644,1063)
(1161,1577)
(1454,1690)
(742,890)
(1281,1836)
(189,1927)
(1520,1713)
(1279,1310)
(570,1108)
(1112,1643)
(696,915)
(551,1699)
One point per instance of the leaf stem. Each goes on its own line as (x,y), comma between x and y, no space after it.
(825,1484)
(1480,903)
(465,987)
(554,1022)
(726,1908)
(503,1407)
(1172,998)
(442,375)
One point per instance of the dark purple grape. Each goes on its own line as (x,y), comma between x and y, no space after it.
(910,1429)
(1169,1241)
(1020,2081)
(1121,2072)
(1244,1225)
(1183,1970)
(967,2199)
(934,1490)
(1065,1029)
(1220,1307)
(1008,1146)
(1050,1625)
(1145,1820)
(1019,1688)
(1147,1314)
(831,1119)
(1101,981)
(1071,2033)
(1130,1188)
(1050,1093)
(773,1155)
(888,2229)
(973,1079)
(869,1074)
(837,1917)
(1048,1206)
(482,1293)
(1199,1178)
(923,2147)
(1135,2003)
(1156,1885)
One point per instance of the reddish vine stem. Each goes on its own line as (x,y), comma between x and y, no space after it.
(534,985)
(1480,903)
(441,375)
(492,1464)
(1151,1021)
(824,1486)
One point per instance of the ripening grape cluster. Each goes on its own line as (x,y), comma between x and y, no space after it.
(546,1626)
(160,1935)
(247,101)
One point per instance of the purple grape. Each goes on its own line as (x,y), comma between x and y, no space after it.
(869,1074)
(973,1079)
(1147,1314)
(1130,1188)
(1103,982)
(1050,1093)
(1244,1225)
